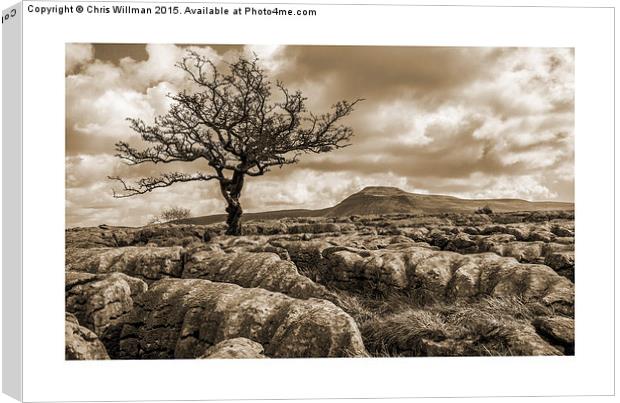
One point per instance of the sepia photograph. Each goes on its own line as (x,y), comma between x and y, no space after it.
(311,201)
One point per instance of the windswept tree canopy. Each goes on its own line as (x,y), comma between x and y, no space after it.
(232,122)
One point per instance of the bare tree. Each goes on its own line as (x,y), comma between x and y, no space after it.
(232,123)
(171,214)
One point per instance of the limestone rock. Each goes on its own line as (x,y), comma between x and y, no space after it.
(563,263)
(434,273)
(522,339)
(541,235)
(307,255)
(264,270)
(529,252)
(156,235)
(462,243)
(183,318)
(562,231)
(319,227)
(239,347)
(81,343)
(360,269)
(98,301)
(560,330)
(264,228)
(445,348)
(147,263)
(169,235)
(444,274)
(98,237)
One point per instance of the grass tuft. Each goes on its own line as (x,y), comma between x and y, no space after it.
(399,325)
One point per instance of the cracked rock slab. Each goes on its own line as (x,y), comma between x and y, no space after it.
(238,347)
(248,269)
(560,330)
(81,343)
(445,275)
(147,263)
(98,301)
(183,318)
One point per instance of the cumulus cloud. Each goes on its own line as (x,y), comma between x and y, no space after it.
(469,122)
(76,55)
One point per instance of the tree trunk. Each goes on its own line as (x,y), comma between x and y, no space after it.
(234,218)
(232,191)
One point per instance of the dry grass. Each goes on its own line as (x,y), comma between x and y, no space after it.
(399,325)
(357,307)
(404,332)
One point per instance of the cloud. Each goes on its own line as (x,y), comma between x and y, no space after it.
(469,122)
(272,57)
(76,55)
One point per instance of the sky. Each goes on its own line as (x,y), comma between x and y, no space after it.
(467,122)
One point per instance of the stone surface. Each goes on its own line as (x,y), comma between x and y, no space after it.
(443,274)
(563,263)
(147,263)
(258,269)
(157,235)
(99,300)
(426,332)
(183,318)
(239,347)
(522,339)
(367,264)
(559,329)
(81,343)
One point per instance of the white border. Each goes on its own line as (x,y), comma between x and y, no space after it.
(48,377)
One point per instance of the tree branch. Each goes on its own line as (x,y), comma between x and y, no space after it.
(146,185)
(230,122)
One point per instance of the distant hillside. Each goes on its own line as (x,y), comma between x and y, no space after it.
(267,215)
(384,200)
(390,200)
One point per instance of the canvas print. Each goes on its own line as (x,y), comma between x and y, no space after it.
(258,201)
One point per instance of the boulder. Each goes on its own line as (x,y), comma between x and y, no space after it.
(453,332)
(419,234)
(445,348)
(559,330)
(147,263)
(357,269)
(521,339)
(565,240)
(169,235)
(264,270)
(305,254)
(462,243)
(433,272)
(520,231)
(562,231)
(264,228)
(238,347)
(444,275)
(439,238)
(319,227)
(115,237)
(465,281)
(98,300)
(563,263)
(526,281)
(81,343)
(183,318)
(98,237)
(281,252)
(541,235)
(528,252)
